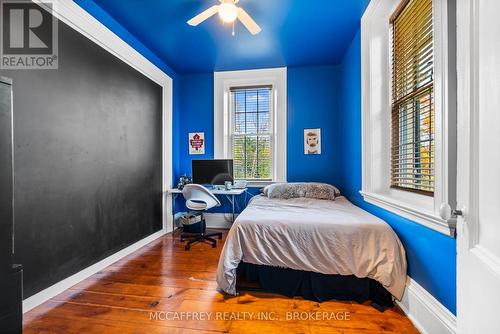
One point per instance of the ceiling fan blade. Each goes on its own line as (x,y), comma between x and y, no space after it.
(203,16)
(248,22)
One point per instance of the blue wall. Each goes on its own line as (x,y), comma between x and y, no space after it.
(197,115)
(431,255)
(313,101)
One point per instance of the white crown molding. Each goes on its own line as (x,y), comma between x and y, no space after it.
(54,290)
(427,314)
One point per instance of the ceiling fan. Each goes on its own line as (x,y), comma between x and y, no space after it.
(228,12)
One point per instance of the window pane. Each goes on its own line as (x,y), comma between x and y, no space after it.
(264,100)
(251,122)
(264,125)
(239,123)
(239,157)
(251,136)
(412,95)
(413,165)
(264,156)
(239,100)
(251,101)
(251,162)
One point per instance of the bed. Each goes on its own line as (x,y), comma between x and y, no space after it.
(321,237)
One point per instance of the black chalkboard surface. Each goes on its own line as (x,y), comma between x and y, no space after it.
(88,160)
(6,196)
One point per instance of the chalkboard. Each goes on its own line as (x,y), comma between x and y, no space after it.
(88,160)
(6,196)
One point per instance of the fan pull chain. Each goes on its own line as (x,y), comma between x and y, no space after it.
(233,28)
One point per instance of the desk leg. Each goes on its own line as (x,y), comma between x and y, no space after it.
(174,197)
(232,203)
(231,199)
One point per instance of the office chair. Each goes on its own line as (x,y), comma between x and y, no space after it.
(198,198)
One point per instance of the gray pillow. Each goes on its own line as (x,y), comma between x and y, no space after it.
(301,189)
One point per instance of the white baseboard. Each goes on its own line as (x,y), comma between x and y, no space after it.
(214,220)
(425,311)
(54,290)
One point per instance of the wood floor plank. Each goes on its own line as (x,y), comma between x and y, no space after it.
(209,275)
(161,288)
(116,315)
(70,326)
(120,301)
(98,285)
(61,323)
(139,278)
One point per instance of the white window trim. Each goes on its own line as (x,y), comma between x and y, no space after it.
(277,78)
(376,106)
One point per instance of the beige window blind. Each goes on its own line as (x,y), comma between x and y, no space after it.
(251,133)
(412,165)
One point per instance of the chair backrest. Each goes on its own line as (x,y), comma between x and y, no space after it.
(194,194)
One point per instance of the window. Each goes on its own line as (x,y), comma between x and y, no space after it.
(250,123)
(412,162)
(408,71)
(251,111)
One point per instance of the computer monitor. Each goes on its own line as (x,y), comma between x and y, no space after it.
(214,172)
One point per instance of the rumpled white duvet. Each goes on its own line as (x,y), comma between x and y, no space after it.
(329,237)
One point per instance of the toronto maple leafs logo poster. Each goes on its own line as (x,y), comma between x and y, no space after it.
(197,143)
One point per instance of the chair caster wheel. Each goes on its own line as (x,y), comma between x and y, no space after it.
(187,247)
(182,240)
(220,237)
(214,244)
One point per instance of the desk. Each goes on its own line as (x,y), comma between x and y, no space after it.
(230,195)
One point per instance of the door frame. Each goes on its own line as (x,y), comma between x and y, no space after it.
(468,37)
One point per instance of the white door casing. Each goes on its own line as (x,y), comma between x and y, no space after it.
(478,185)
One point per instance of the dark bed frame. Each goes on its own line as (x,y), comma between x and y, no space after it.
(312,286)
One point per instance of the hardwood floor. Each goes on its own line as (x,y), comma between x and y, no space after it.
(153,288)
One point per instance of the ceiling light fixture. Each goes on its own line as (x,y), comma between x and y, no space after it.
(228,12)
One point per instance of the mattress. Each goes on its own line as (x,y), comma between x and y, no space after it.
(328,237)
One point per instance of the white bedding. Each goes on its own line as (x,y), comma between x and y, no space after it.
(329,237)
